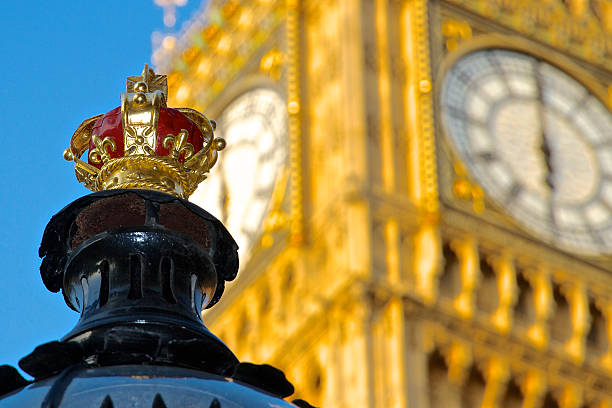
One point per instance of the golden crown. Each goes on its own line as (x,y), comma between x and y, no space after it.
(143,144)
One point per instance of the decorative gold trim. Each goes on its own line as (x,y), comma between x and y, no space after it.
(85,173)
(271,64)
(162,173)
(576,30)
(540,52)
(153,81)
(139,119)
(455,32)
(421,156)
(80,139)
(425,188)
(465,189)
(178,144)
(294,124)
(207,126)
(145,172)
(101,154)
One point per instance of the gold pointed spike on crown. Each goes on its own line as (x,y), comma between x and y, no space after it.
(143,144)
(153,81)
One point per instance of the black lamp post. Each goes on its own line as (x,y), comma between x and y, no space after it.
(139,263)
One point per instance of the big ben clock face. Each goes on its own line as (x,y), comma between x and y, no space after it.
(537,141)
(240,186)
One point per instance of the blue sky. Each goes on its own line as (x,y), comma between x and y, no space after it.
(60,66)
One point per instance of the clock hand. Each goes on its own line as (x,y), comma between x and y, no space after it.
(545,144)
(547,152)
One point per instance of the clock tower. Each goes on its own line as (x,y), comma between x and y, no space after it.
(421,190)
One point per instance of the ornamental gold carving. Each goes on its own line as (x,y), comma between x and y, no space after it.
(135,158)
(579,27)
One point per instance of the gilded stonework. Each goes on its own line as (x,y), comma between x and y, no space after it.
(385,275)
(580,28)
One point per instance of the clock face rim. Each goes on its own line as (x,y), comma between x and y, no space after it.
(524,46)
(223,110)
(494,42)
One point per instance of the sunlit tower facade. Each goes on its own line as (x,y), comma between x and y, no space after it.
(424,215)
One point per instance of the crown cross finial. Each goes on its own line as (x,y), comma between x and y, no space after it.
(148,81)
(145,75)
(144,144)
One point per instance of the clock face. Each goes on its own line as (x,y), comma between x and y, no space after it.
(239,187)
(537,141)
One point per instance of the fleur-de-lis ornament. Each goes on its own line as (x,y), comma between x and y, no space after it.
(100,154)
(178,145)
